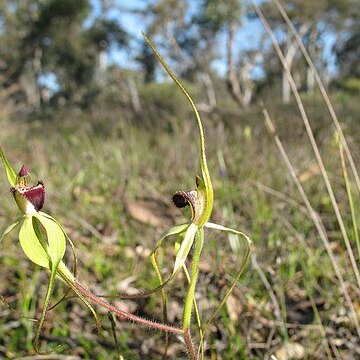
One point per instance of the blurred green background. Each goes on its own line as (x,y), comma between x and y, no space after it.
(84,104)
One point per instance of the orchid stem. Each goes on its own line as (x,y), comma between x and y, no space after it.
(189,344)
(37,345)
(199,241)
(124,315)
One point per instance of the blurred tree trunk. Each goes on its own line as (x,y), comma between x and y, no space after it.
(241,85)
(291,48)
(312,49)
(209,90)
(209,104)
(36,66)
(134,96)
(241,97)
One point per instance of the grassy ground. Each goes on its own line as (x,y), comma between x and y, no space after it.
(104,176)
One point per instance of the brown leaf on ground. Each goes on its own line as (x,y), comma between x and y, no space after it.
(234,307)
(151,212)
(313,170)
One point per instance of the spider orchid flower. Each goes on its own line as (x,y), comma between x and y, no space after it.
(46,251)
(201,202)
(43,241)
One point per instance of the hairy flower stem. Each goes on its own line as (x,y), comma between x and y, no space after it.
(124,315)
(189,344)
(199,241)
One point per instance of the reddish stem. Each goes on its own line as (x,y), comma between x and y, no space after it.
(124,315)
(189,344)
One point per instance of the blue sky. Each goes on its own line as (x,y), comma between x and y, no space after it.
(130,22)
(248,37)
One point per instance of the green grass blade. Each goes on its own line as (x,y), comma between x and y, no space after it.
(350,199)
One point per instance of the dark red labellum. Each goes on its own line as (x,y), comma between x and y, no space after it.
(179,199)
(36,195)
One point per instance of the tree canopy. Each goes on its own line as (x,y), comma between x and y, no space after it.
(72,42)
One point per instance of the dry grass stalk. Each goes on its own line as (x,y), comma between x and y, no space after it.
(315,218)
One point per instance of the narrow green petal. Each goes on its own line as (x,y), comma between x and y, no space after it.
(11,175)
(237,276)
(9,228)
(68,239)
(185,247)
(31,244)
(177,229)
(210,225)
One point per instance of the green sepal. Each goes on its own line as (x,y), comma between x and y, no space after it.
(62,267)
(21,201)
(211,225)
(206,196)
(10,228)
(209,194)
(11,175)
(38,251)
(57,245)
(31,245)
(56,238)
(201,201)
(200,183)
